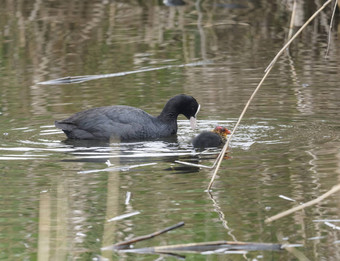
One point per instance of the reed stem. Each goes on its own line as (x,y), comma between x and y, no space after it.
(296,34)
(330,28)
(267,71)
(292,19)
(307,204)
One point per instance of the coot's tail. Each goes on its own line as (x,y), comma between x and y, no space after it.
(66,128)
(64,125)
(74,132)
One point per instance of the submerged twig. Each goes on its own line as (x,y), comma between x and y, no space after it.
(128,197)
(145,237)
(291,248)
(84,78)
(326,220)
(127,215)
(216,246)
(194,164)
(330,28)
(286,198)
(199,165)
(332,225)
(267,71)
(122,168)
(302,206)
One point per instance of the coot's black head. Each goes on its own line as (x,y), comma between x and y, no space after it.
(181,104)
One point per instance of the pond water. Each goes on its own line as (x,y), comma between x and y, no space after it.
(59,198)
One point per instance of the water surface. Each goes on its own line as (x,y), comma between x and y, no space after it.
(59,198)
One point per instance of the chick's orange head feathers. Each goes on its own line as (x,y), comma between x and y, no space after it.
(221,131)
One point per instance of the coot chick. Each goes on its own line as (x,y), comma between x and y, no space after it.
(127,123)
(209,139)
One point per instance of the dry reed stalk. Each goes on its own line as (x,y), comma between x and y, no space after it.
(292,19)
(307,204)
(268,69)
(292,249)
(296,34)
(204,247)
(195,165)
(225,147)
(145,237)
(330,28)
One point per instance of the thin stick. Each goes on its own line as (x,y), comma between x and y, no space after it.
(307,204)
(268,69)
(85,78)
(200,165)
(330,28)
(219,159)
(193,164)
(296,35)
(145,237)
(292,19)
(225,246)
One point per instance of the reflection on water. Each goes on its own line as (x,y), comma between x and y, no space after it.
(85,78)
(92,150)
(58,196)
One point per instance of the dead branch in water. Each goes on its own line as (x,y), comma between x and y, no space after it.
(213,247)
(307,204)
(292,19)
(267,71)
(330,28)
(145,237)
(85,78)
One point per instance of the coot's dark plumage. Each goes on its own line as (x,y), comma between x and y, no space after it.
(128,123)
(209,139)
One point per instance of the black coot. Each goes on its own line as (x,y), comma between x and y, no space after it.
(210,139)
(128,123)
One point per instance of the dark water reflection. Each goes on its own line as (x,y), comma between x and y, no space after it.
(58,197)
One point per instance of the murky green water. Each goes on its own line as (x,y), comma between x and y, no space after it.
(57,199)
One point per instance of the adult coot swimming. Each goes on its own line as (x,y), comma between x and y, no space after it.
(209,139)
(128,123)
